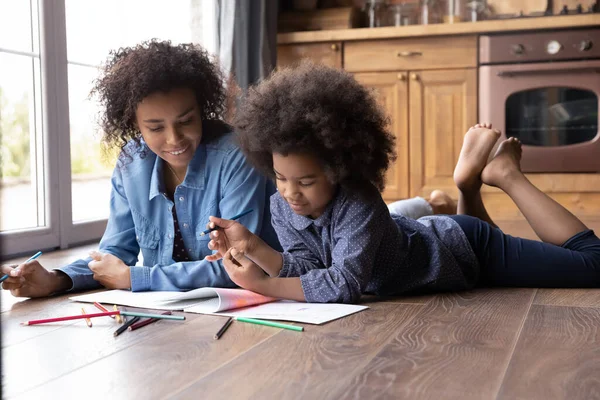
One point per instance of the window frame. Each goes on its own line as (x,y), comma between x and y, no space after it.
(60,231)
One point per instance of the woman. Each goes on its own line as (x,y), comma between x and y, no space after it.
(163,106)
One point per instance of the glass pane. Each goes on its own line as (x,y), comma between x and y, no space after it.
(90,167)
(137,20)
(16,30)
(553,116)
(22,196)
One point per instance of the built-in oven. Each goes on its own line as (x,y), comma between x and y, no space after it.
(543,88)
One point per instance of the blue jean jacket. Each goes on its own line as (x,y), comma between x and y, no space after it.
(218,182)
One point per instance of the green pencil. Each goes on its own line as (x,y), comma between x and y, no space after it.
(269,323)
(146,315)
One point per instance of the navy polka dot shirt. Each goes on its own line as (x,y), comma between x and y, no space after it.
(357,247)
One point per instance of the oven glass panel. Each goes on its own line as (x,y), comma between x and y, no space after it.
(552,116)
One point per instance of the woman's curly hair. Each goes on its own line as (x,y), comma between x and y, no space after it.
(321,111)
(133,73)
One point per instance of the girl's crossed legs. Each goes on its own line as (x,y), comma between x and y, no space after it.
(569,254)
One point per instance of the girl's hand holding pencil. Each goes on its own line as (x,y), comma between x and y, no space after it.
(225,234)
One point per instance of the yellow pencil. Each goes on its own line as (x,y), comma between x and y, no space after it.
(87,320)
(118,317)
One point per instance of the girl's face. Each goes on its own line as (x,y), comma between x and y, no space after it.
(171,125)
(301,181)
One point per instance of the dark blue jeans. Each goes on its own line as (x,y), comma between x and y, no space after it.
(509,261)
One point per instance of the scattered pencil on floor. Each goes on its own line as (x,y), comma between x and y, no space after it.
(221,331)
(87,320)
(146,315)
(68,318)
(270,323)
(145,322)
(126,325)
(118,316)
(102,308)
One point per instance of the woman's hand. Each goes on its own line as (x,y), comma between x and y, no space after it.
(110,271)
(33,280)
(243,271)
(231,234)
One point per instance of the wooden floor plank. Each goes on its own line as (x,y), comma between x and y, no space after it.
(457,347)
(557,356)
(157,366)
(306,365)
(568,297)
(67,346)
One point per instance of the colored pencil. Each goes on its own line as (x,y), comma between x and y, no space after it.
(238,216)
(145,322)
(102,308)
(126,325)
(68,318)
(33,257)
(223,328)
(117,316)
(146,315)
(87,320)
(270,323)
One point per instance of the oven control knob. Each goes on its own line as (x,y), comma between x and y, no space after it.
(585,45)
(553,47)
(517,49)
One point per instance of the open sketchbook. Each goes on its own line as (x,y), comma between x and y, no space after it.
(228,302)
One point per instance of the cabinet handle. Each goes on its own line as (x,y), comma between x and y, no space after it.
(414,77)
(335,47)
(401,77)
(408,53)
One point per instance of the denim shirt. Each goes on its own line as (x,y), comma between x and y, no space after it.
(218,182)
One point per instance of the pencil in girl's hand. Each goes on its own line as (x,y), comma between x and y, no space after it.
(145,322)
(238,216)
(87,320)
(68,318)
(102,308)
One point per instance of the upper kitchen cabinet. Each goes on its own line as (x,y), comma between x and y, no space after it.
(329,53)
(411,54)
(442,106)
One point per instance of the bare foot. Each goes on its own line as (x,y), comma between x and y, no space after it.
(505,165)
(442,203)
(477,145)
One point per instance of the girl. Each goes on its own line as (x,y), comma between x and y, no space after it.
(323,138)
(163,105)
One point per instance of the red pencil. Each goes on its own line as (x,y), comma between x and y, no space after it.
(70,317)
(102,308)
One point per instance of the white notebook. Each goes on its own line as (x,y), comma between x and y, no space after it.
(228,302)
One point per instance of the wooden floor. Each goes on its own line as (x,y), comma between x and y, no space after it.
(483,344)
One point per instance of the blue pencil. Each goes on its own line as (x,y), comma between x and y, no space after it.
(240,215)
(33,257)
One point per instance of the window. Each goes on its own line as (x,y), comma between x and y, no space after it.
(54,177)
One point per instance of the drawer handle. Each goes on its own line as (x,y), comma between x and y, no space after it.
(409,53)
(335,47)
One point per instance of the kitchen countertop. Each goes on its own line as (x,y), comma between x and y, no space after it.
(463,28)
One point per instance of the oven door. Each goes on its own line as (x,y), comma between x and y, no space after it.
(551,107)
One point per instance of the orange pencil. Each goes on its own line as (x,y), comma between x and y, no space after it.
(102,308)
(117,316)
(87,320)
